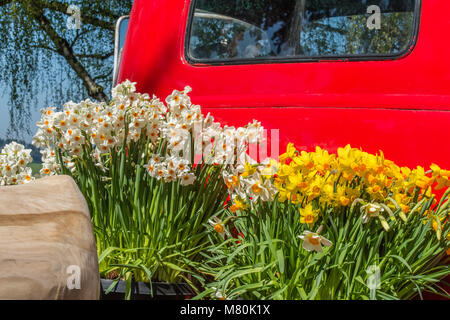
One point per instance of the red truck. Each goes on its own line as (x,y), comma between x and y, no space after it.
(373,74)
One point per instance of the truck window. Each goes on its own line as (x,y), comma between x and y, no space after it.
(250,30)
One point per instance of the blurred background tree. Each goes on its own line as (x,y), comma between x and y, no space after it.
(42,57)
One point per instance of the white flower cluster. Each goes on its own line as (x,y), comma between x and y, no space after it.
(170,169)
(216,144)
(49,165)
(98,125)
(136,117)
(14,159)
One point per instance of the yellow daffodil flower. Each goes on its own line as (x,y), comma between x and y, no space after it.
(305,160)
(270,169)
(297,183)
(308,215)
(315,188)
(290,153)
(249,170)
(238,205)
(323,160)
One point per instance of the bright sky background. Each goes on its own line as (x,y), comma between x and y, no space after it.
(4,116)
(4,120)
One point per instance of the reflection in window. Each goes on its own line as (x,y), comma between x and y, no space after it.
(247,29)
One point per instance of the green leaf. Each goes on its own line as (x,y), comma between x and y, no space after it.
(280,256)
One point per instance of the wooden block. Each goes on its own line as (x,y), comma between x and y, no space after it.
(46,237)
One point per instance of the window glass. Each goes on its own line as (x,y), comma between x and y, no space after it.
(223,30)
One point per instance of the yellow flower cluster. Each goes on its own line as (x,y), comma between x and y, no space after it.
(315,180)
(352,174)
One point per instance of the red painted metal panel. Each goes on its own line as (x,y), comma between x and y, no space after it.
(370,129)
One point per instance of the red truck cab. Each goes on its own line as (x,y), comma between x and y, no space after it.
(326,73)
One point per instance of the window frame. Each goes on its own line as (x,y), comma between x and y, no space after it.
(271,60)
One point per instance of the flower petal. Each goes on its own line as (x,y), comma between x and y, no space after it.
(326,242)
(317,247)
(308,246)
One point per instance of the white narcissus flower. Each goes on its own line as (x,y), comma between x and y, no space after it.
(160,172)
(14,159)
(208,121)
(179,100)
(375,210)
(256,188)
(371,210)
(241,134)
(219,227)
(187,179)
(221,157)
(229,133)
(123,89)
(26,176)
(168,169)
(38,140)
(255,132)
(314,241)
(13,149)
(151,168)
(170,176)
(270,187)
(218,294)
(71,165)
(157,159)
(232,181)
(182,167)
